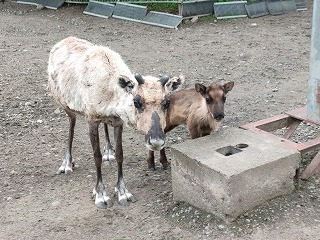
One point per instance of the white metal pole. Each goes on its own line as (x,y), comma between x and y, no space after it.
(313,100)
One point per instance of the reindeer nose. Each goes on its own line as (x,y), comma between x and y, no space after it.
(219,116)
(156,143)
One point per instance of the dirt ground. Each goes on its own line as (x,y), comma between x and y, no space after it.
(267,57)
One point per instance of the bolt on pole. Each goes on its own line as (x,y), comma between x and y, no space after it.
(313,99)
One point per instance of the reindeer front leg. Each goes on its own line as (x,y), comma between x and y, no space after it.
(67,164)
(150,160)
(163,159)
(123,194)
(101,198)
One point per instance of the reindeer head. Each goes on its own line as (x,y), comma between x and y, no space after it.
(151,103)
(215,97)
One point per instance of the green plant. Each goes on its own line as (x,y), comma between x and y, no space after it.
(234,0)
(169,7)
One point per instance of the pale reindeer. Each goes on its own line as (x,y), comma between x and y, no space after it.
(95,82)
(201,109)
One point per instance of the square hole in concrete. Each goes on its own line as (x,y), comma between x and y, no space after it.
(228,150)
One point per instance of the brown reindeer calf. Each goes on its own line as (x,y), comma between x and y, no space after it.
(201,109)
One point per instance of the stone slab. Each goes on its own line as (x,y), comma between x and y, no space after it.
(99,9)
(77,1)
(277,7)
(162,19)
(51,4)
(301,5)
(234,9)
(232,171)
(31,2)
(197,8)
(129,11)
(257,9)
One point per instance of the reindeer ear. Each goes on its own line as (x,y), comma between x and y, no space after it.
(139,78)
(174,83)
(126,84)
(200,88)
(164,79)
(228,86)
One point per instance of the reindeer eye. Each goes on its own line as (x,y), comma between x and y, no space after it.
(165,104)
(138,103)
(208,100)
(224,98)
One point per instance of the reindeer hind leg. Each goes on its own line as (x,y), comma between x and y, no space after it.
(108,152)
(150,160)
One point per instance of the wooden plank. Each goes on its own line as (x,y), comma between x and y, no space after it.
(270,124)
(312,168)
(293,126)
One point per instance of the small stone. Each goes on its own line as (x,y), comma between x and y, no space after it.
(55,204)
(40,7)
(221,227)
(195,19)
(28,104)
(57,111)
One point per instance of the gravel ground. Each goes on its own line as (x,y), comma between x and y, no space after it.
(268,58)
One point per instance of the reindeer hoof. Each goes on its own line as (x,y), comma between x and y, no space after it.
(152,167)
(124,197)
(108,156)
(101,199)
(123,202)
(104,204)
(166,165)
(132,199)
(66,168)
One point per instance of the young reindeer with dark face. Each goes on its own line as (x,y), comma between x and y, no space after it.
(201,109)
(94,81)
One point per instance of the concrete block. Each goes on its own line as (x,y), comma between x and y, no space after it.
(232,171)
